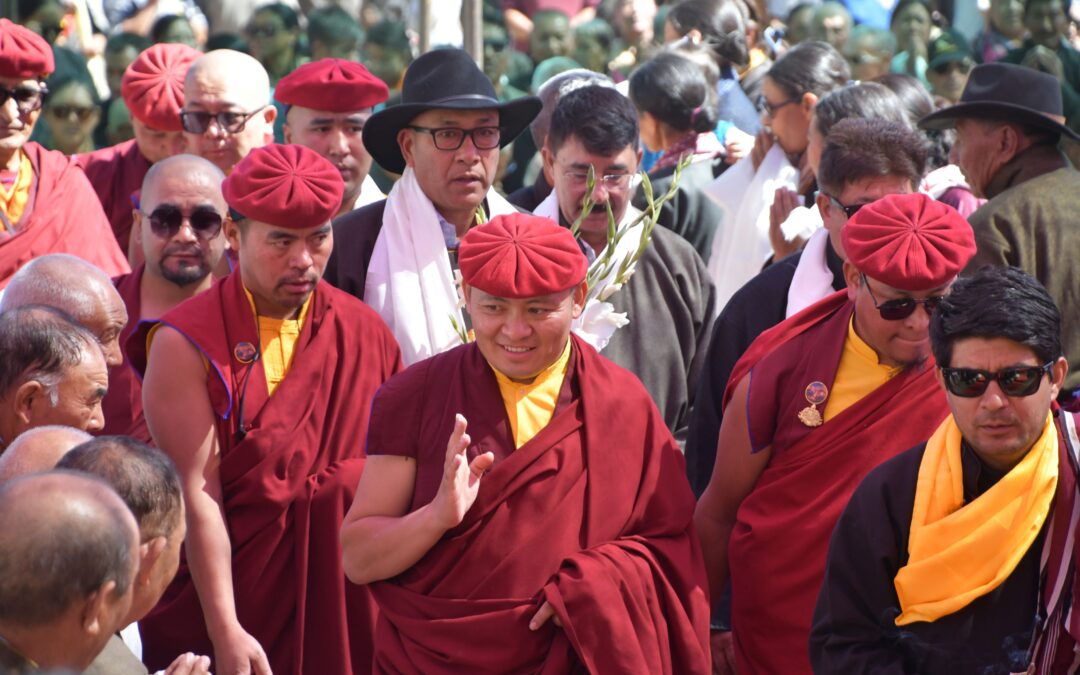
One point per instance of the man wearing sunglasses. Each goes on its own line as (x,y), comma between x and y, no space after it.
(400,254)
(46,203)
(813,405)
(178,235)
(227,111)
(327,103)
(957,555)
(153,90)
(260,389)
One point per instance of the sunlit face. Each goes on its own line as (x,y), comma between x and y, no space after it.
(16,127)
(335,136)
(72,115)
(1000,428)
(79,393)
(454,180)
(521,337)
(280,266)
(106,320)
(905,342)
(208,92)
(156,145)
(1046,22)
(183,258)
(634,21)
(568,168)
(862,191)
(790,119)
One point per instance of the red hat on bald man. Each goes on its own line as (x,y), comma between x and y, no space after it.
(332,85)
(284,186)
(910,242)
(521,256)
(24,54)
(153,85)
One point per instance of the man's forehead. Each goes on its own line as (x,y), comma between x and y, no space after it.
(573,153)
(182,186)
(16,82)
(450,117)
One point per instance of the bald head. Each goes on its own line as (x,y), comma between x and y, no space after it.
(39,449)
(231,82)
(51,585)
(76,288)
(181,170)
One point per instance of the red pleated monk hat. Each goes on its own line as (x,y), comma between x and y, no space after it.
(910,242)
(332,85)
(23,53)
(284,186)
(153,85)
(521,256)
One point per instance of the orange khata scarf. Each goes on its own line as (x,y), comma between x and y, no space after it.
(959,552)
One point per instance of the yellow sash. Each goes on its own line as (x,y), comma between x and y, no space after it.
(13,202)
(959,552)
(530,406)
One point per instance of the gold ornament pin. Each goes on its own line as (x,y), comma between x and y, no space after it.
(816,393)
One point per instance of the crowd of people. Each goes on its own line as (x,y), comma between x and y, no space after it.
(690,337)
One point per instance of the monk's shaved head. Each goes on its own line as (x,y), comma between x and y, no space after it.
(39,449)
(235,74)
(187,169)
(76,288)
(227,82)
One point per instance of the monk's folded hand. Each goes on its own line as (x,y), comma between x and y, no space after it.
(461,479)
(237,653)
(189,664)
(542,615)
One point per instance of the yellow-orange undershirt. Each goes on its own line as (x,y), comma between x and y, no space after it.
(858,374)
(14,198)
(530,406)
(277,341)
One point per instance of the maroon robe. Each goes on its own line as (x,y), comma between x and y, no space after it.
(287,484)
(595,511)
(776,555)
(122,406)
(116,173)
(62,216)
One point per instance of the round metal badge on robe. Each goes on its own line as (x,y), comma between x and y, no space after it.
(244,352)
(815,393)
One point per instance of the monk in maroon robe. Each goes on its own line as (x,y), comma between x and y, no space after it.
(552,541)
(788,457)
(46,204)
(181,241)
(153,90)
(260,389)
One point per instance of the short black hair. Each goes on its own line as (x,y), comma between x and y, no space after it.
(810,67)
(332,25)
(601,118)
(38,342)
(118,42)
(676,91)
(856,149)
(997,302)
(390,35)
(144,477)
(163,24)
(864,100)
(289,17)
(1028,4)
(721,24)
(904,4)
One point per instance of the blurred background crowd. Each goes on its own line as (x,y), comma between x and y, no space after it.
(933,43)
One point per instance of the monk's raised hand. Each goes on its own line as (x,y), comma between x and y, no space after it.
(461,479)
(542,616)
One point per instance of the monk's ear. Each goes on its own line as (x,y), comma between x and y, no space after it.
(466,292)
(853,279)
(136,229)
(287,130)
(30,400)
(549,163)
(579,295)
(231,228)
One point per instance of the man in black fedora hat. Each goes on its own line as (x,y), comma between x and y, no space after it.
(399,254)
(1008,124)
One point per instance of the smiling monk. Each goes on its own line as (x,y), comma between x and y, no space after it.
(556,524)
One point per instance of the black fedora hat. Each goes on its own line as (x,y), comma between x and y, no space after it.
(444,78)
(1002,91)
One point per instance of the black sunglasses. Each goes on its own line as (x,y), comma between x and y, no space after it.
(901,308)
(197,121)
(27,99)
(849,211)
(166,220)
(972,382)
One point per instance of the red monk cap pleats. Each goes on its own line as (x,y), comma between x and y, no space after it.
(910,242)
(23,53)
(285,186)
(521,256)
(333,85)
(153,85)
